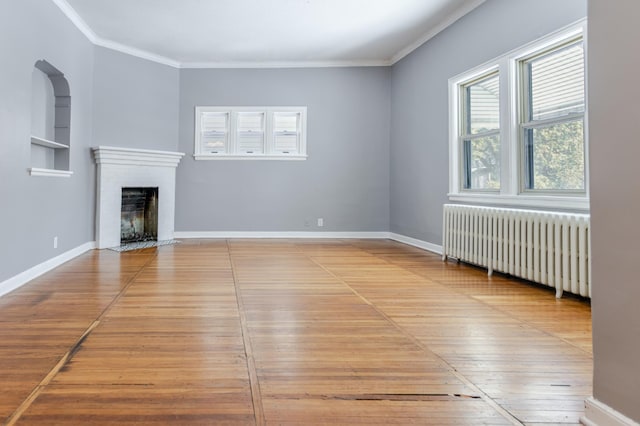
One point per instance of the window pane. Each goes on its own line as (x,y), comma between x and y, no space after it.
(555,157)
(286,133)
(214,130)
(250,121)
(482,163)
(251,132)
(557,83)
(483,106)
(286,122)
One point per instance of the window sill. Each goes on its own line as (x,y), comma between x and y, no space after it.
(530,201)
(50,172)
(248,157)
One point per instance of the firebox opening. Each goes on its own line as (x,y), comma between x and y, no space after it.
(139,215)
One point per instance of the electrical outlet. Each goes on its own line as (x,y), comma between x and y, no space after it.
(55,242)
(320,222)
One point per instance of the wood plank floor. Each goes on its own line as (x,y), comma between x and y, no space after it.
(289,332)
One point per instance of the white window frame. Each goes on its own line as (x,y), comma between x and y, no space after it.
(463,136)
(512,191)
(232,152)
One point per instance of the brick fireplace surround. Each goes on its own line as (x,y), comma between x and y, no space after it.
(123,167)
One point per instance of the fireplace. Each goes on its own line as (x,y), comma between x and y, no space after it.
(139,215)
(140,170)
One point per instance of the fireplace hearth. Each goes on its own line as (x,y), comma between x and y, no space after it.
(139,215)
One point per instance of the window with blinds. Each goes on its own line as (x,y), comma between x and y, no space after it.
(517,126)
(552,126)
(286,132)
(250,133)
(214,132)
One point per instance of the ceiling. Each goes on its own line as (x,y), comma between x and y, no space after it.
(265,33)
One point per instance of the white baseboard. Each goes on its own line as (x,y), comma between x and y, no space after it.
(31,273)
(242,234)
(416,243)
(337,235)
(597,413)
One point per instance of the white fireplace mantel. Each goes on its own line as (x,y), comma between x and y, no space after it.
(125,167)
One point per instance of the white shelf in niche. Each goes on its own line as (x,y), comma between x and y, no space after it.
(47,143)
(34,171)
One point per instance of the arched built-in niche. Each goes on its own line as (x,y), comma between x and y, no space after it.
(50,121)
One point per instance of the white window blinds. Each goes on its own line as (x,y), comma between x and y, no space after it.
(248,132)
(483,106)
(251,132)
(286,131)
(557,83)
(214,131)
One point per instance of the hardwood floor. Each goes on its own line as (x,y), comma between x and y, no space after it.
(289,332)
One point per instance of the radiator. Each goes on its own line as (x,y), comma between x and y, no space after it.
(545,247)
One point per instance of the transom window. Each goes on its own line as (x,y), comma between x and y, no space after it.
(250,133)
(517,126)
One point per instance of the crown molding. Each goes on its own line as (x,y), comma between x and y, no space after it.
(287,64)
(448,21)
(139,53)
(99,41)
(80,23)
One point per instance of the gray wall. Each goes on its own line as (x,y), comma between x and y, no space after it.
(345,180)
(136,102)
(615,201)
(42,105)
(33,210)
(419,160)
(42,119)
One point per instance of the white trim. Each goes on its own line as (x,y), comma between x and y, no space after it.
(597,413)
(561,35)
(77,20)
(34,272)
(138,53)
(248,157)
(84,28)
(312,235)
(533,201)
(434,248)
(34,171)
(285,234)
(35,140)
(299,64)
(136,157)
(444,24)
